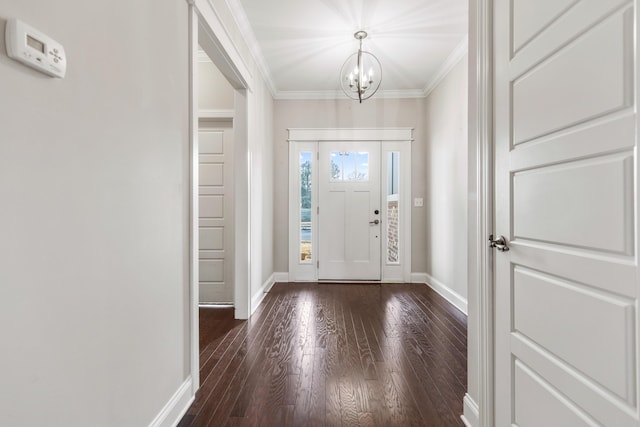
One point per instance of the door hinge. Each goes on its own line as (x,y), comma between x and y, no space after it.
(317,264)
(318,210)
(318,155)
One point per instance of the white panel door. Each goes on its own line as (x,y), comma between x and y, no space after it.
(349,215)
(566,190)
(215,146)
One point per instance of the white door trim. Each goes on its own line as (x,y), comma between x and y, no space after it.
(307,139)
(194,243)
(479,406)
(351,134)
(206,29)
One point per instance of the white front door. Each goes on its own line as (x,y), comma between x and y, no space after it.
(566,292)
(349,211)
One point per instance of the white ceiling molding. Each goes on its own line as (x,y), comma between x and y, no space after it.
(240,17)
(309,94)
(248,34)
(338,94)
(401,93)
(452,60)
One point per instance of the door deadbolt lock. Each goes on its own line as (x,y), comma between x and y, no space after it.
(376,212)
(500,243)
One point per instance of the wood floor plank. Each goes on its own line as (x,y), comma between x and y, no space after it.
(318,354)
(251,364)
(303,400)
(318,410)
(333,415)
(234,360)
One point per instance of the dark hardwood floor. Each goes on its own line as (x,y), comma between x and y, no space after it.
(331,355)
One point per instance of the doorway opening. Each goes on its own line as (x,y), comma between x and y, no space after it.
(215,185)
(207,38)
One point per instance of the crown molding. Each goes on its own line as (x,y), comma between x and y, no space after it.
(402,93)
(242,21)
(308,94)
(452,60)
(337,94)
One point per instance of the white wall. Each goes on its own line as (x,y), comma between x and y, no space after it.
(266,185)
(375,112)
(262,193)
(93,219)
(446,166)
(214,91)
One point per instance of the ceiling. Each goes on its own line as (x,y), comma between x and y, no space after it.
(300,45)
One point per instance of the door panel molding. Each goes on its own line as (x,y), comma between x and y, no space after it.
(215,173)
(349,245)
(566,293)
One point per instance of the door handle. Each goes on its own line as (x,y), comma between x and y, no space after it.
(500,243)
(375,221)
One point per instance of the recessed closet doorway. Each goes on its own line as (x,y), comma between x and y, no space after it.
(215,184)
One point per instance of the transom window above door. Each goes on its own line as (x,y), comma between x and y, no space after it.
(349,166)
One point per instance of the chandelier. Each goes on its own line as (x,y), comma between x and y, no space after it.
(361,73)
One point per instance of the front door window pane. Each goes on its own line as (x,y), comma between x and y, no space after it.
(349,166)
(393,208)
(336,165)
(362,163)
(305,207)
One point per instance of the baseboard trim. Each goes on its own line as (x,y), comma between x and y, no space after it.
(259,296)
(471,414)
(449,294)
(418,277)
(446,292)
(281,277)
(176,407)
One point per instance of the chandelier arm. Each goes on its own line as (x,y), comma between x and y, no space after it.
(360,73)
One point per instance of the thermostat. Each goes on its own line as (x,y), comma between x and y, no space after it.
(35,49)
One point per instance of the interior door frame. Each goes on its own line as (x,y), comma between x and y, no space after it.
(391,139)
(479,401)
(207,30)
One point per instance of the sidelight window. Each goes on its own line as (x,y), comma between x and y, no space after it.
(393,207)
(305,207)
